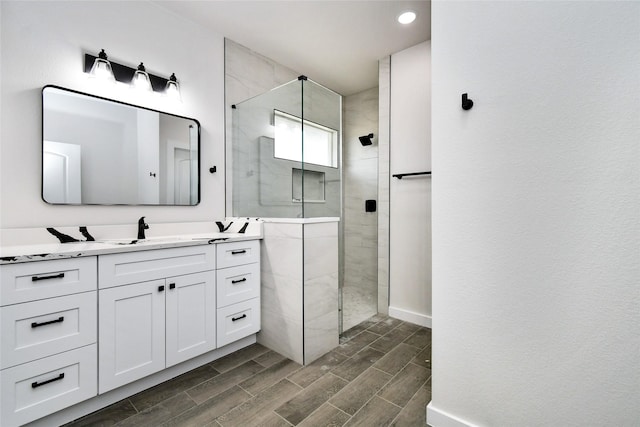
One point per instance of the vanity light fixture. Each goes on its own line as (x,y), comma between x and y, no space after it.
(141,80)
(407,17)
(172,89)
(137,77)
(101,68)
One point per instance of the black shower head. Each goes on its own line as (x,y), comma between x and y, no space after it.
(366,139)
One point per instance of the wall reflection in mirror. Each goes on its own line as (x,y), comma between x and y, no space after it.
(97,151)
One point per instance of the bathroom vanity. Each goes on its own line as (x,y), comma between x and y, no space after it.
(96,322)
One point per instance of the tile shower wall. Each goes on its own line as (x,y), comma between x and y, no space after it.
(247,74)
(360,178)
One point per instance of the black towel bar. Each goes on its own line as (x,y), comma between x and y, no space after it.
(402,175)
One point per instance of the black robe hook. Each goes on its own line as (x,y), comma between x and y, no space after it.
(467,103)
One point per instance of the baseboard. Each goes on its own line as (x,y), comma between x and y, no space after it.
(438,418)
(410,316)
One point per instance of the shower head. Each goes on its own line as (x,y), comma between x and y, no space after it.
(366,139)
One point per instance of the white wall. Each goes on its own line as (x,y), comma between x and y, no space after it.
(410,197)
(44,43)
(536,232)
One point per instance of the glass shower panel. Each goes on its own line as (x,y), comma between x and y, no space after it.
(263,183)
(286,153)
(321,133)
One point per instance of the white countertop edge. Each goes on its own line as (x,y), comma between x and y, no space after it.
(40,252)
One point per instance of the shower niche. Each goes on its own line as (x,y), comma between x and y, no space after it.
(286,170)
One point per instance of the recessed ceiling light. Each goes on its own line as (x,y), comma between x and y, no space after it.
(407,17)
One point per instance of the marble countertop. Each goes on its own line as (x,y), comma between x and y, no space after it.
(47,251)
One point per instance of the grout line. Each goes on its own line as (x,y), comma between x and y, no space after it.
(285,420)
(394,404)
(245,390)
(131,403)
(347,414)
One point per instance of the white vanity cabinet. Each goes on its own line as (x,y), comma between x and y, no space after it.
(80,332)
(150,325)
(48,351)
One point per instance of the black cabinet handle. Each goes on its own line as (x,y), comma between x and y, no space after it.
(241,251)
(160,288)
(37,384)
(244,279)
(58,320)
(172,285)
(233,319)
(55,276)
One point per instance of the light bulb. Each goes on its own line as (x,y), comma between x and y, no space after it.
(101,68)
(172,89)
(141,80)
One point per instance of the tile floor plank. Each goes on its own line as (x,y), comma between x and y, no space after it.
(269,376)
(108,416)
(310,373)
(155,415)
(239,357)
(310,399)
(414,414)
(360,341)
(211,409)
(385,326)
(326,416)
(258,409)
(421,338)
(167,389)
(376,413)
(357,364)
(358,392)
(269,358)
(404,385)
(389,341)
(396,359)
(222,382)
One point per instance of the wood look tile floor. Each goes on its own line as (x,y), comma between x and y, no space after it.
(380,375)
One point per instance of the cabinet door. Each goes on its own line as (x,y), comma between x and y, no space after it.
(131,333)
(191,316)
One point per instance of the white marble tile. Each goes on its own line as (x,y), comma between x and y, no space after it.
(320,336)
(320,297)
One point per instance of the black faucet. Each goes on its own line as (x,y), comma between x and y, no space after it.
(141,227)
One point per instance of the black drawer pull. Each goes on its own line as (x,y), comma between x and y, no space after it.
(37,384)
(241,251)
(58,320)
(55,276)
(244,279)
(172,285)
(161,288)
(233,319)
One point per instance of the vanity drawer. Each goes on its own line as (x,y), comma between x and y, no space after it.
(38,329)
(142,266)
(238,321)
(236,284)
(35,389)
(37,280)
(238,253)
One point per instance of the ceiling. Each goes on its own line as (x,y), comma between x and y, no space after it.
(336,43)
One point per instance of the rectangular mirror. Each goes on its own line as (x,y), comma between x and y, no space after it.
(97,151)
